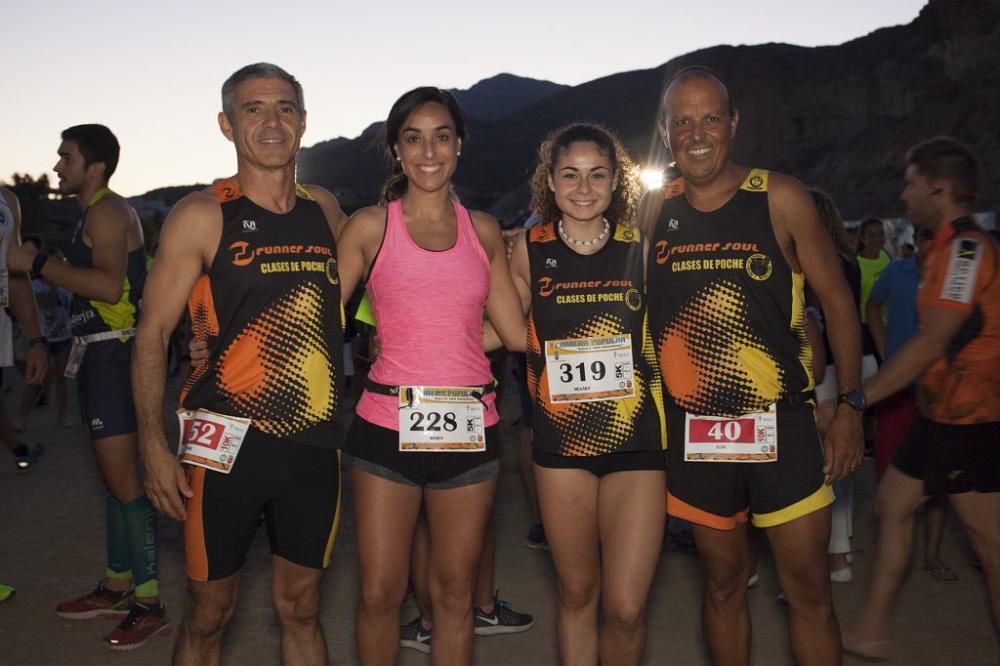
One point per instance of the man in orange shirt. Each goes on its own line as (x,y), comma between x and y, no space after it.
(954,444)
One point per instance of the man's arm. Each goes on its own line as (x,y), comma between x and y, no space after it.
(22,302)
(107,226)
(188,239)
(335,216)
(794,214)
(916,355)
(940,322)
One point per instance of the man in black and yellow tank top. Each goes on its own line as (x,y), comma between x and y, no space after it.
(105,270)
(730,251)
(254,259)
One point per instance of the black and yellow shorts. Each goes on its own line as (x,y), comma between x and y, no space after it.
(294,487)
(724,494)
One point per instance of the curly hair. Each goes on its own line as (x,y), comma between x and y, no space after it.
(624,198)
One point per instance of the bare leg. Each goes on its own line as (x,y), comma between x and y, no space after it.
(386,516)
(458,518)
(934,515)
(898,498)
(631,524)
(527,468)
(725,619)
(210,607)
(799,548)
(117,465)
(296,599)
(568,500)
(420,554)
(980,515)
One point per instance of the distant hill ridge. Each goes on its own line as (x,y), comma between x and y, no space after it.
(839,117)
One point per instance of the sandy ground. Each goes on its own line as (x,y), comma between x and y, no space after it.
(52,547)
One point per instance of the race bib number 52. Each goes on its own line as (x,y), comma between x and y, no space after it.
(210,440)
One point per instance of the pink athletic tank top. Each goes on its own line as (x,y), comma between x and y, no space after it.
(429,316)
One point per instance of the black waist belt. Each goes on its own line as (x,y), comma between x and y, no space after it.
(478,390)
(795,399)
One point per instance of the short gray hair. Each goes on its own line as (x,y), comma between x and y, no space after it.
(258,70)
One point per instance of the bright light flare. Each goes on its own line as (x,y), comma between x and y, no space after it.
(651,178)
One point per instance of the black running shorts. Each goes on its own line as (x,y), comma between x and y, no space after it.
(375,450)
(951,459)
(724,494)
(294,487)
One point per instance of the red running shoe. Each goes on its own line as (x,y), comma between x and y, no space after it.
(143,622)
(101,602)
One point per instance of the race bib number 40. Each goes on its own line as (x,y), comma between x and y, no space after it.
(441,418)
(751,438)
(210,440)
(586,369)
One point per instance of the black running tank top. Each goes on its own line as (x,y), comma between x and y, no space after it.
(726,311)
(269,308)
(593,296)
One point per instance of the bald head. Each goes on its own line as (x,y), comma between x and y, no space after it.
(694,72)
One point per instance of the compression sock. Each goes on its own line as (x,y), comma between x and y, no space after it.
(140,524)
(117,540)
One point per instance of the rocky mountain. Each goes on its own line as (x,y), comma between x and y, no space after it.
(839,117)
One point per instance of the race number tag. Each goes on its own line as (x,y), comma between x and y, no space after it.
(75,359)
(587,369)
(440,418)
(4,289)
(210,440)
(751,438)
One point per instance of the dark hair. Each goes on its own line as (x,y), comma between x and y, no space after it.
(624,198)
(258,70)
(34,240)
(697,72)
(832,222)
(404,107)
(949,158)
(867,222)
(97,144)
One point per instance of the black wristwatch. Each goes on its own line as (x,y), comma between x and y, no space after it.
(38,263)
(38,340)
(856,399)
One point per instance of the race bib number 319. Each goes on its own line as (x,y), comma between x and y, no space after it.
(587,369)
(440,418)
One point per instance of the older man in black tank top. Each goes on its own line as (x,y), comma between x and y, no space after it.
(731,248)
(254,259)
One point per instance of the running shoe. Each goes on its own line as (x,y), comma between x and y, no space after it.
(35,452)
(536,537)
(101,602)
(142,623)
(503,619)
(413,635)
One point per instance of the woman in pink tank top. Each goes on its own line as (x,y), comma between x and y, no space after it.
(425,430)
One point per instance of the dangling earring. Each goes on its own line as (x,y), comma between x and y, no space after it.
(458,154)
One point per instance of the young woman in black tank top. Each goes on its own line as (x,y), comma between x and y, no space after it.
(598,448)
